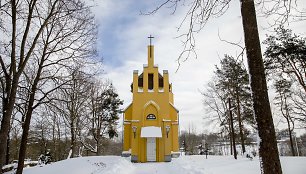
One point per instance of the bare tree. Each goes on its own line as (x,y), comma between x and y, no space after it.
(58,127)
(94,128)
(215,102)
(283,11)
(71,102)
(13,64)
(299,108)
(55,33)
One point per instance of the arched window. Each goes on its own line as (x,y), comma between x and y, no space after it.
(151,117)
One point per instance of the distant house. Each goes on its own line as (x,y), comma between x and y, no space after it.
(151,120)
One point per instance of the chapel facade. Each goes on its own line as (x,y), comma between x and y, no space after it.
(151,122)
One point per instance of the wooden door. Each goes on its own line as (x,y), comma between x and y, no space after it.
(151,149)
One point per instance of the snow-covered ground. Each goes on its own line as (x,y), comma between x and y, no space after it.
(182,165)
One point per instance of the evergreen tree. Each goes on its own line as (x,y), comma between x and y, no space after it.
(285,62)
(233,78)
(106,116)
(286,55)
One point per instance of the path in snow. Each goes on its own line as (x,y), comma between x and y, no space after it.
(151,168)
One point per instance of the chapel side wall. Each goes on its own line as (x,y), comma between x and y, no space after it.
(127,129)
(174,129)
(167,140)
(135,142)
(175,139)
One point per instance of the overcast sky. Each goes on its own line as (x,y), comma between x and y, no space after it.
(123,44)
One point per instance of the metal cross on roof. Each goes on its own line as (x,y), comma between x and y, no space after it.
(150,37)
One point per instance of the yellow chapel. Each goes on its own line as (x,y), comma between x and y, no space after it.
(151,122)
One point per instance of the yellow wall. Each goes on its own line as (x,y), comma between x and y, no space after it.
(127,128)
(159,103)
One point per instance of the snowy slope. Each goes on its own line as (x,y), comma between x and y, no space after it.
(218,165)
(84,165)
(182,165)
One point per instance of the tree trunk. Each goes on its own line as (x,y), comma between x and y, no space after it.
(7,158)
(72,145)
(24,141)
(26,127)
(232,127)
(54,139)
(240,122)
(268,146)
(9,92)
(98,138)
(26,124)
(59,152)
(12,77)
(8,105)
(290,136)
(230,136)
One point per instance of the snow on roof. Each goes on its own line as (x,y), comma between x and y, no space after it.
(151,131)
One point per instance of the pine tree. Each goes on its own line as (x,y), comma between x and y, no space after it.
(286,55)
(233,78)
(285,61)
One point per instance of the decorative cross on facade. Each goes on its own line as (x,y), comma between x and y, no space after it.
(150,37)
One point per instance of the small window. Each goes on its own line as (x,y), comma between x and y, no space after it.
(151,117)
(140,81)
(150,81)
(161,82)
